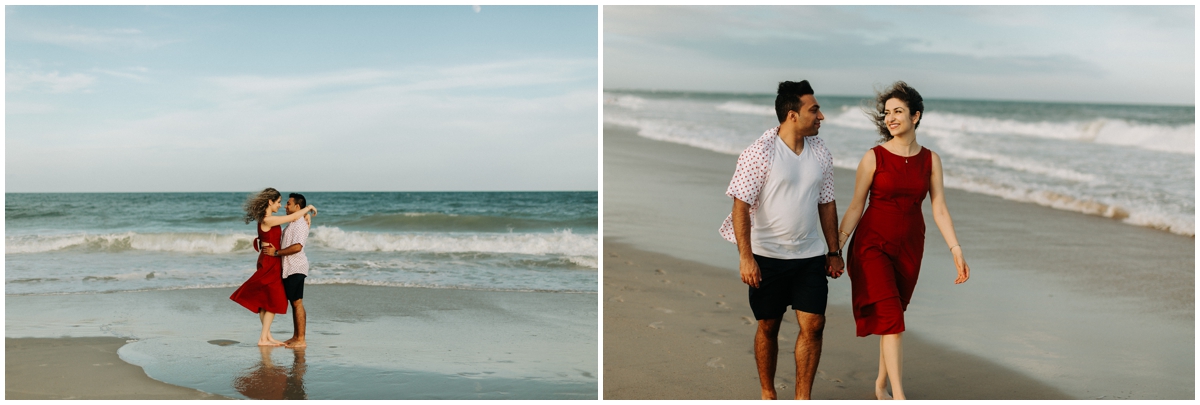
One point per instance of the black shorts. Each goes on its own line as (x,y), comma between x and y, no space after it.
(293,287)
(800,283)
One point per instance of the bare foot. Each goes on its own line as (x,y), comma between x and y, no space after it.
(276,342)
(271,342)
(881,393)
(289,341)
(297,343)
(768,394)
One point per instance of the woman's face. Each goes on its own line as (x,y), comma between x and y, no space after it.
(898,118)
(273,206)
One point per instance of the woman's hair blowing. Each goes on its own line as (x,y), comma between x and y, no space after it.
(256,205)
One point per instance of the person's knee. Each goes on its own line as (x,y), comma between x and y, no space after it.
(769,326)
(812,326)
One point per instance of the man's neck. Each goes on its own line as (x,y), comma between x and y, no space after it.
(787,134)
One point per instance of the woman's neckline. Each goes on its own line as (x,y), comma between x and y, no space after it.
(894,153)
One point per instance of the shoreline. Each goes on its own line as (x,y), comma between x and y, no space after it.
(364,342)
(1054,295)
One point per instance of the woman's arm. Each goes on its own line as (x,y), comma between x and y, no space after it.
(941,216)
(272,220)
(862,184)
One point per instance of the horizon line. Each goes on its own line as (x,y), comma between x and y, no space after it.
(715,92)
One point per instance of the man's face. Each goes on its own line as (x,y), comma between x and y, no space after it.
(292,207)
(808,119)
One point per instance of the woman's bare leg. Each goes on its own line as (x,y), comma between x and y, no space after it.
(265,339)
(881,381)
(893,357)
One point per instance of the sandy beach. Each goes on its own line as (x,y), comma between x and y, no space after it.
(1060,305)
(364,342)
(80,368)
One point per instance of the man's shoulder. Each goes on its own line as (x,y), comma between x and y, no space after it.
(763,141)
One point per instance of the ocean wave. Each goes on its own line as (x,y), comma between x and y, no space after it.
(562,242)
(160,242)
(1134,215)
(1162,138)
(668,132)
(747,108)
(951,145)
(436,221)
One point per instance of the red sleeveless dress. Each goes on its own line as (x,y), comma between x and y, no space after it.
(264,289)
(885,255)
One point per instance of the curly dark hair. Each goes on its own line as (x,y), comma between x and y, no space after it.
(256,204)
(900,91)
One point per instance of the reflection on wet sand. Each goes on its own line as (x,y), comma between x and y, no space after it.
(265,380)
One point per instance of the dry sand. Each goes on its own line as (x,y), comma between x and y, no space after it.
(675,329)
(80,368)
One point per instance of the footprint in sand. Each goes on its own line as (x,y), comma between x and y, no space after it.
(613,255)
(660,271)
(821,373)
(715,362)
(722,305)
(666,281)
(664,310)
(657,325)
(699,293)
(628,262)
(715,341)
(617,299)
(747,320)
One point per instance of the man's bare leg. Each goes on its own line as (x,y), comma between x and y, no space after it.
(893,356)
(298,324)
(264,338)
(808,351)
(766,353)
(881,381)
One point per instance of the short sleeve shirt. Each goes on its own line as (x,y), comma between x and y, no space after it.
(296,233)
(753,167)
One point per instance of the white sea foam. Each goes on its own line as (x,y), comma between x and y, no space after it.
(630,102)
(668,132)
(560,242)
(1130,214)
(747,108)
(162,242)
(1163,138)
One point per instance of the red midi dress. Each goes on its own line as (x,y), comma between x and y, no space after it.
(885,255)
(264,289)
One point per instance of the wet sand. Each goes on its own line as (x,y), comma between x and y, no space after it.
(1086,306)
(80,368)
(364,342)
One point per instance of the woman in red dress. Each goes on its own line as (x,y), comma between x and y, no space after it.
(884,259)
(263,292)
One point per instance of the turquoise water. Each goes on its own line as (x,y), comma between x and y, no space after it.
(1134,163)
(503,241)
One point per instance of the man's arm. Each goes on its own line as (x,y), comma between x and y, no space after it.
(829,226)
(741,231)
(290,250)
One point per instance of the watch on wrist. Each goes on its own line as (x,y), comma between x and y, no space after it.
(837,253)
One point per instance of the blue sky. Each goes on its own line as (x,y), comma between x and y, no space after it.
(319,98)
(1104,54)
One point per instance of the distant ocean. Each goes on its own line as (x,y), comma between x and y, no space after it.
(1134,163)
(497,241)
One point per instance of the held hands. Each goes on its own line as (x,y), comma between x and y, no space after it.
(834,266)
(964,271)
(750,272)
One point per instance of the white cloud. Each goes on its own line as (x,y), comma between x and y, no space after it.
(476,8)
(51,82)
(86,37)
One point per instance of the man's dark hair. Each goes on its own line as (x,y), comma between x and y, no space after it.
(298,199)
(787,98)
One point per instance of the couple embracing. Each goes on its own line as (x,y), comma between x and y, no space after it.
(784,222)
(280,276)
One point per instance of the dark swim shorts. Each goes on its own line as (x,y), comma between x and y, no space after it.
(293,287)
(800,283)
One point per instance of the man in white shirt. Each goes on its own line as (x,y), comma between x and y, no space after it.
(295,266)
(784,222)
